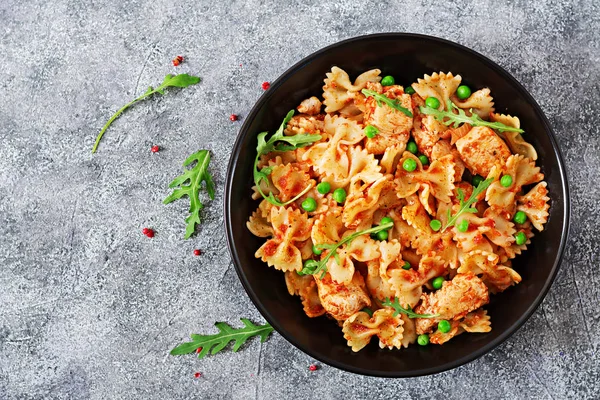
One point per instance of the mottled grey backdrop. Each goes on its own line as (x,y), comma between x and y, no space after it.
(89,307)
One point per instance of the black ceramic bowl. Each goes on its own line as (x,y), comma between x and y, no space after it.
(406,57)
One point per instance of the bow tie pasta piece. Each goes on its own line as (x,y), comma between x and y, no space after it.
(310,106)
(438,85)
(439,178)
(514,250)
(439,244)
(514,139)
(361,201)
(416,216)
(331,159)
(473,238)
(480,102)
(379,288)
(360,328)
(338,90)
(328,227)
(408,284)
(305,287)
(463,294)
(341,267)
(474,322)
(290,180)
(485,265)
(405,184)
(259,225)
(394,126)
(390,159)
(481,149)
(501,231)
(290,226)
(343,300)
(522,171)
(401,230)
(535,205)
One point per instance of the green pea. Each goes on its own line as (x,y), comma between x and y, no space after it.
(520,217)
(406,265)
(316,250)
(382,235)
(435,224)
(463,226)
(444,326)
(477,179)
(437,282)
(388,81)
(339,195)
(463,92)
(432,102)
(385,220)
(409,90)
(371,131)
(409,165)
(309,205)
(506,180)
(520,238)
(424,160)
(412,147)
(323,187)
(423,339)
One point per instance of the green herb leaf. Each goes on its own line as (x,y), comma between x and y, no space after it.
(408,311)
(189,184)
(380,98)
(217,342)
(332,249)
(279,142)
(450,118)
(466,206)
(181,81)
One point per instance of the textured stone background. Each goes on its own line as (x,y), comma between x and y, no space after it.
(89,307)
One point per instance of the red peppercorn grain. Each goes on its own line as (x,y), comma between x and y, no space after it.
(197,252)
(197,374)
(233,117)
(266,85)
(177,61)
(199,349)
(155,149)
(313,367)
(148,232)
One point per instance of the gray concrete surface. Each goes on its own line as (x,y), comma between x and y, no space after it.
(89,307)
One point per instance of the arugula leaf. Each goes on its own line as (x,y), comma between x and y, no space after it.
(180,81)
(408,311)
(380,98)
(321,265)
(189,184)
(465,206)
(218,341)
(279,142)
(450,118)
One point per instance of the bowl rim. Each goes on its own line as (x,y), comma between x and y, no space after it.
(395,374)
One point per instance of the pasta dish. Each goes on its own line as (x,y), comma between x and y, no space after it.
(397,211)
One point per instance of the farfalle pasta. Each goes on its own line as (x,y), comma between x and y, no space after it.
(397,211)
